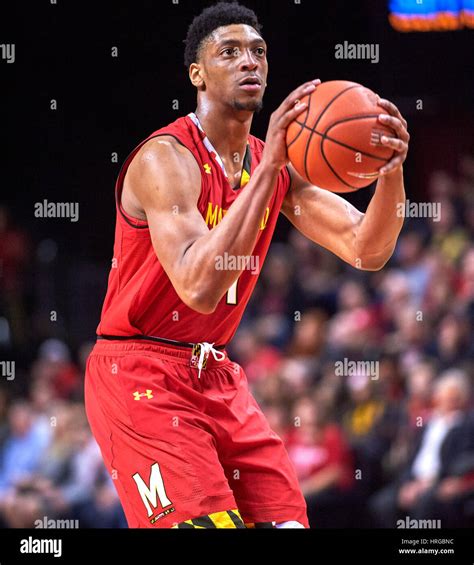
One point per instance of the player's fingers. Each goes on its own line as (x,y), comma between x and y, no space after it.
(395,124)
(392,165)
(293,106)
(298,93)
(286,119)
(392,109)
(394,143)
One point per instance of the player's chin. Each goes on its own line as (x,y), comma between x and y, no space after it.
(248,104)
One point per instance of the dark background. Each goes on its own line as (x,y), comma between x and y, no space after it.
(108,104)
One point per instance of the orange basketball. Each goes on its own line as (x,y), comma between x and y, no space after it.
(338,137)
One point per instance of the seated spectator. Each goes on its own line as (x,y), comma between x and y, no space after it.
(23,447)
(446,439)
(452,340)
(415,412)
(419,386)
(369,422)
(67,481)
(410,256)
(365,408)
(323,463)
(448,237)
(54,367)
(102,508)
(257,358)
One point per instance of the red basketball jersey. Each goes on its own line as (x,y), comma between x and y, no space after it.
(140,298)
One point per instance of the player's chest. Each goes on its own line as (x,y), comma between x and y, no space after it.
(216,201)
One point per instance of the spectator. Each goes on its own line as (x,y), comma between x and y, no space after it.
(323,463)
(23,447)
(446,438)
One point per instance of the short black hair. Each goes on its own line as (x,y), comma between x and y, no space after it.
(221,14)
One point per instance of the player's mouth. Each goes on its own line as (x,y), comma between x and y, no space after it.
(251,84)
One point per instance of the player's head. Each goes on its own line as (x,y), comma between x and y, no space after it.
(224,46)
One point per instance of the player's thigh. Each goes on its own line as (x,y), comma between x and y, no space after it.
(257,465)
(156,446)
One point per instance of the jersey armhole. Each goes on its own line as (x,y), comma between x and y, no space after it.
(130,220)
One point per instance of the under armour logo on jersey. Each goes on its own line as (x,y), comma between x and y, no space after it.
(147,394)
(207,168)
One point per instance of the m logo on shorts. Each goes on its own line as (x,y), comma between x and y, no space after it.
(155,492)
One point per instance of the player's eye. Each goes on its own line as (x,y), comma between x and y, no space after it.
(261,51)
(231,51)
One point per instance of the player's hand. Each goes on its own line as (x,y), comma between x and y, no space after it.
(400,143)
(275,154)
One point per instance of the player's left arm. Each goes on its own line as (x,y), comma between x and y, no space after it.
(365,241)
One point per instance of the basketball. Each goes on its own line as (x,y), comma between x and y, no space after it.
(338,136)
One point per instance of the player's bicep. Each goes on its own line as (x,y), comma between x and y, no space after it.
(167,182)
(324,217)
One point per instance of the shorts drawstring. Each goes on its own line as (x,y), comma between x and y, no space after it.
(203,350)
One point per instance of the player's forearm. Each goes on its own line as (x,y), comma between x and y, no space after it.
(380,227)
(235,236)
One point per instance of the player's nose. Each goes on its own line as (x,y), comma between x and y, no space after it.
(248,61)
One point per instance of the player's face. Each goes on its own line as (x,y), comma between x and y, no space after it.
(235,67)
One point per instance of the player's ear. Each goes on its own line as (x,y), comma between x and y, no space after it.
(196,75)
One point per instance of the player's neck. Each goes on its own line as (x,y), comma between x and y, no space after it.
(228,132)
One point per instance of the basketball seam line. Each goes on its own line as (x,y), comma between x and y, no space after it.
(308,143)
(325,136)
(333,171)
(305,120)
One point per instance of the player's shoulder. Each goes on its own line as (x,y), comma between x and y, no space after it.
(170,140)
(163,151)
(164,143)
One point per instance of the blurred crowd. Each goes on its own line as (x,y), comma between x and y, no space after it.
(370,447)
(50,465)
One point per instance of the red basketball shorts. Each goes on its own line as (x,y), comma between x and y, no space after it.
(182,449)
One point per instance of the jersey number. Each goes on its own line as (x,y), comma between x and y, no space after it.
(232,294)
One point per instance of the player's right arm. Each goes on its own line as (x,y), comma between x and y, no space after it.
(165,180)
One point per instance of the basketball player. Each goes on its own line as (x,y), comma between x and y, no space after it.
(181,435)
